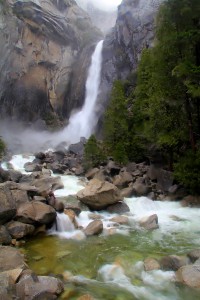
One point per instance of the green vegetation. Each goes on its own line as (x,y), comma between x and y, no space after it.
(164,108)
(93,153)
(2,147)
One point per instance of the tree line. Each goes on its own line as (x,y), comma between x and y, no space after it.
(158,107)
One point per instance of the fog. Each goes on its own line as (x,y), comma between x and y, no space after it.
(106,5)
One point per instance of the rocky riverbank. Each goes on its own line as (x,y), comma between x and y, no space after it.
(28,207)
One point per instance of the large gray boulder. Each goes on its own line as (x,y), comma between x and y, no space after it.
(94,228)
(35,212)
(19,230)
(11,258)
(5,238)
(30,289)
(7,204)
(150,222)
(189,275)
(99,194)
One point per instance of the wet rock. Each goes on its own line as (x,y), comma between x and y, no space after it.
(122,220)
(173,262)
(10,258)
(94,228)
(20,196)
(151,264)
(7,204)
(191,201)
(32,167)
(13,274)
(149,223)
(118,208)
(59,206)
(15,175)
(95,216)
(76,209)
(35,212)
(31,288)
(194,255)
(79,171)
(91,173)
(4,175)
(72,216)
(127,192)
(40,155)
(189,275)
(123,179)
(98,195)
(7,289)
(77,148)
(5,238)
(19,230)
(112,168)
(46,184)
(140,188)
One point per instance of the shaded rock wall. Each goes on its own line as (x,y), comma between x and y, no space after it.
(134,30)
(41,41)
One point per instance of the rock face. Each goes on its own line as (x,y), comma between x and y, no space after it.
(41,41)
(44,288)
(36,212)
(98,194)
(7,205)
(133,31)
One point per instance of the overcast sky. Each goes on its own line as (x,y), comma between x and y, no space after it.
(102,4)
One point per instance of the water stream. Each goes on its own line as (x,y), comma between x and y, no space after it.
(110,266)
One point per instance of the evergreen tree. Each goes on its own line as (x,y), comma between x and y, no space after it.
(93,154)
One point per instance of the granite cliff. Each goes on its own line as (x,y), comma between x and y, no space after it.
(41,42)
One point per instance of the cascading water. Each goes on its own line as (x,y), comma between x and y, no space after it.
(83,122)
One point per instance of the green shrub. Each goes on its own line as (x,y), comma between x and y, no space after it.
(187,171)
(93,153)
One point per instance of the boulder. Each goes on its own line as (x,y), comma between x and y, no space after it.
(78,148)
(118,208)
(194,255)
(79,171)
(36,212)
(5,238)
(15,175)
(4,175)
(41,287)
(173,262)
(94,228)
(72,216)
(46,184)
(192,201)
(99,194)
(122,220)
(32,167)
(112,168)
(91,173)
(140,188)
(151,264)
(150,222)
(189,275)
(10,258)
(20,196)
(7,290)
(127,192)
(19,230)
(7,204)
(123,179)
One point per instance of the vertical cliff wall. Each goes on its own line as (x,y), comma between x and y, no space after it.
(41,42)
(134,30)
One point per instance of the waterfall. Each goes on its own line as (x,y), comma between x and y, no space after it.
(83,122)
